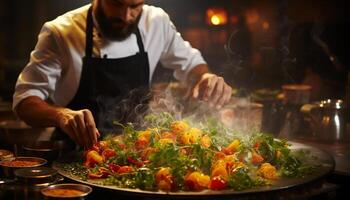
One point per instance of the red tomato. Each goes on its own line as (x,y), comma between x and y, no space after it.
(217,183)
(257,158)
(125,169)
(121,146)
(220,155)
(227,151)
(257,145)
(95,175)
(141,143)
(108,153)
(113,167)
(102,173)
(135,162)
(96,147)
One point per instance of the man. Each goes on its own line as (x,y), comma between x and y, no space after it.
(103,51)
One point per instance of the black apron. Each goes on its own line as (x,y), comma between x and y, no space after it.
(112,89)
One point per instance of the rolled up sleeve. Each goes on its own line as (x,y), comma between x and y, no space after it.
(40,75)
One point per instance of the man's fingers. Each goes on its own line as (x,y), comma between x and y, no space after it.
(195,91)
(211,83)
(72,134)
(91,126)
(217,92)
(226,95)
(79,134)
(79,119)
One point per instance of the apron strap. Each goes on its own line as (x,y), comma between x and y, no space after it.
(139,40)
(89,34)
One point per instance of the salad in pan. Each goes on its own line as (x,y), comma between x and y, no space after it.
(177,155)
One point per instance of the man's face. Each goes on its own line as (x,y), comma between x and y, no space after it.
(118,18)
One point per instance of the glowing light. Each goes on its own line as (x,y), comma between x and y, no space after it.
(216,16)
(215,20)
(265,25)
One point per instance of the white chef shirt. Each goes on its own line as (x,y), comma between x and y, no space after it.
(55,65)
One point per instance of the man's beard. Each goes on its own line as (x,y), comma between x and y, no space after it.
(113,32)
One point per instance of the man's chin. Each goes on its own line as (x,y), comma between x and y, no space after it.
(118,35)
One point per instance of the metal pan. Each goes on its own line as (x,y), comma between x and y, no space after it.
(325,160)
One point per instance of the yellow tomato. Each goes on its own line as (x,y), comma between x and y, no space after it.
(92,158)
(220,170)
(190,136)
(267,171)
(145,134)
(197,181)
(178,127)
(205,141)
(234,145)
(165,141)
(164,179)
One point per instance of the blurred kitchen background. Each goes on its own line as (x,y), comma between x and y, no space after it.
(252,43)
(281,54)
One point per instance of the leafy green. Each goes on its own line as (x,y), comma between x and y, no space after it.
(241,180)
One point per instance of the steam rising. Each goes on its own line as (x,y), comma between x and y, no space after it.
(240,116)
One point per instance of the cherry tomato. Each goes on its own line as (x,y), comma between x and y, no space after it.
(114,167)
(125,169)
(257,158)
(108,153)
(135,162)
(217,183)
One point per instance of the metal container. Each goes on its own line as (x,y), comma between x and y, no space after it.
(5,154)
(8,170)
(38,176)
(296,94)
(327,119)
(84,190)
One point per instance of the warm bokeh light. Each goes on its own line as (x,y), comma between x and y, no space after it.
(215,20)
(252,16)
(216,16)
(265,25)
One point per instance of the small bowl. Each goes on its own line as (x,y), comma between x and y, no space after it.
(60,191)
(38,176)
(9,165)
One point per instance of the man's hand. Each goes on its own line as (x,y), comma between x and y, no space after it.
(211,88)
(79,125)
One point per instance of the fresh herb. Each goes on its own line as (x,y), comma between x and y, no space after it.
(241,180)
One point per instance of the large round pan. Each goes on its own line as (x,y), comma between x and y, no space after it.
(325,161)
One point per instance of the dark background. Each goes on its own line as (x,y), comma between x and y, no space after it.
(254,57)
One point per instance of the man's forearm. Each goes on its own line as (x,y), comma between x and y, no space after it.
(36,112)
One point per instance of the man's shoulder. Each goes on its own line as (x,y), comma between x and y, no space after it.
(153,12)
(71,20)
